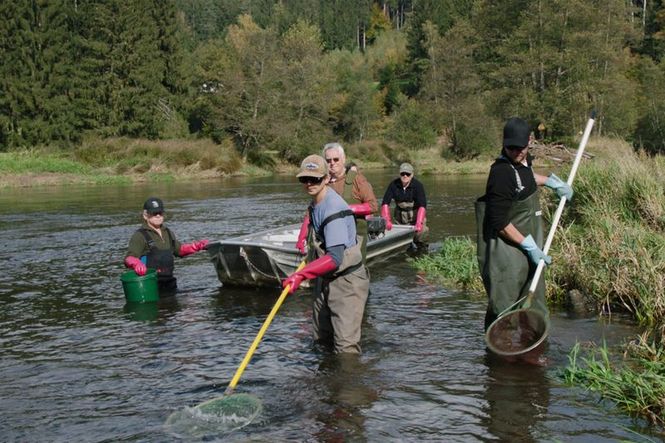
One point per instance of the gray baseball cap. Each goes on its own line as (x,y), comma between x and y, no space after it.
(406,167)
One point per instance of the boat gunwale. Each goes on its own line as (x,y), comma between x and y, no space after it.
(246,240)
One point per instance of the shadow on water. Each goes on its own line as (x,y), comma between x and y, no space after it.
(79,364)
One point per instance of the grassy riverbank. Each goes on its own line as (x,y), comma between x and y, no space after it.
(122,160)
(610,246)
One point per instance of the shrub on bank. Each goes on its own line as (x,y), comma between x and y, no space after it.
(140,155)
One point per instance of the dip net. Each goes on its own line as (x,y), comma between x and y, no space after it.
(517,332)
(217,416)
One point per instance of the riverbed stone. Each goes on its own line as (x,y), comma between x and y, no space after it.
(578,304)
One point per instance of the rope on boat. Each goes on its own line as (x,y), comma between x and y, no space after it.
(252,267)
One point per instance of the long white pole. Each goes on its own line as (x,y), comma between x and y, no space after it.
(562,202)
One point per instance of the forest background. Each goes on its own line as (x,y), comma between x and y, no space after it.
(266,81)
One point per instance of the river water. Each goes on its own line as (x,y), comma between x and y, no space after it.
(79,365)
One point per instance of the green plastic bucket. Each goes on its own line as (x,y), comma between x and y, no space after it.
(140,289)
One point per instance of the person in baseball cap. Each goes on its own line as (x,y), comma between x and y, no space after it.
(410,205)
(510,235)
(153,205)
(313,166)
(154,245)
(333,252)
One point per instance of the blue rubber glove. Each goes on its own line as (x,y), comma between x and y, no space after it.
(561,187)
(533,251)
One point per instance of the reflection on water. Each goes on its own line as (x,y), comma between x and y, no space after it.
(346,381)
(151,311)
(508,419)
(80,364)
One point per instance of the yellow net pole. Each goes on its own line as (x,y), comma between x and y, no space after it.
(259,336)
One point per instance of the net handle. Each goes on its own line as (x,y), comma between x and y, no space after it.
(562,202)
(250,352)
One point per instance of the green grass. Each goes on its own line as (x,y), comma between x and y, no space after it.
(37,162)
(636,385)
(455,264)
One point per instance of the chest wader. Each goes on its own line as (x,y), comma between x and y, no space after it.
(339,297)
(162,261)
(361,223)
(404,213)
(505,269)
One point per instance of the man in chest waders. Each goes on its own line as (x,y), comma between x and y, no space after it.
(410,204)
(349,183)
(335,262)
(154,246)
(509,221)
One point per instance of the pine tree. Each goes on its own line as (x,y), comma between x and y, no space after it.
(18,49)
(132,58)
(59,76)
(344,22)
(39,74)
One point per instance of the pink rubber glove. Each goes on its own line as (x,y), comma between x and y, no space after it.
(385,213)
(136,264)
(320,266)
(302,235)
(190,248)
(361,209)
(420,219)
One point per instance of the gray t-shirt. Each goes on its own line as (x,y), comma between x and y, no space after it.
(340,231)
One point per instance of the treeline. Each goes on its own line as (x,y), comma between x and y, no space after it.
(275,76)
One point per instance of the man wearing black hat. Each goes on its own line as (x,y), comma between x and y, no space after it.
(510,231)
(154,246)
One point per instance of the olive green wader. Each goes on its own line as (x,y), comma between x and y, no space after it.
(339,300)
(361,223)
(505,269)
(405,215)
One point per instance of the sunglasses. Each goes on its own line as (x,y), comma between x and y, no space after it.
(332,160)
(157,214)
(515,148)
(310,180)
(405,174)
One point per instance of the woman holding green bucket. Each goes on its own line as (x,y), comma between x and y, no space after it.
(510,231)
(154,245)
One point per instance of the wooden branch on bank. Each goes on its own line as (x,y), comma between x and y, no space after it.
(557,152)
